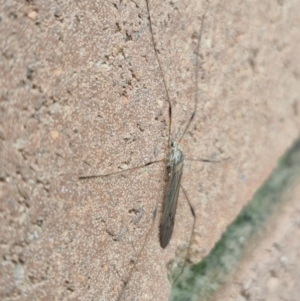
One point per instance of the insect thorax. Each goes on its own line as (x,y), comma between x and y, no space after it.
(176,157)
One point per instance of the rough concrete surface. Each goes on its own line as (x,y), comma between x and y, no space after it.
(81,94)
(271,269)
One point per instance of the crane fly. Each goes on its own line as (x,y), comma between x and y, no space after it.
(176,159)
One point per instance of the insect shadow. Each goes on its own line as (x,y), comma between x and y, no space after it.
(174,165)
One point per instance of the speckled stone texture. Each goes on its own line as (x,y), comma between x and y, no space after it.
(81,94)
(271,269)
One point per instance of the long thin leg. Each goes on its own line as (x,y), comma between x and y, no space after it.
(118,172)
(196,79)
(208,160)
(138,256)
(161,72)
(191,236)
(141,249)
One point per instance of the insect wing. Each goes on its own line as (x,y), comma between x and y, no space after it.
(170,206)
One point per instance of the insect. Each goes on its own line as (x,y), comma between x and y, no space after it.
(176,159)
(174,166)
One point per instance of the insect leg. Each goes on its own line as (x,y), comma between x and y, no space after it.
(117,172)
(191,236)
(196,80)
(138,256)
(161,72)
